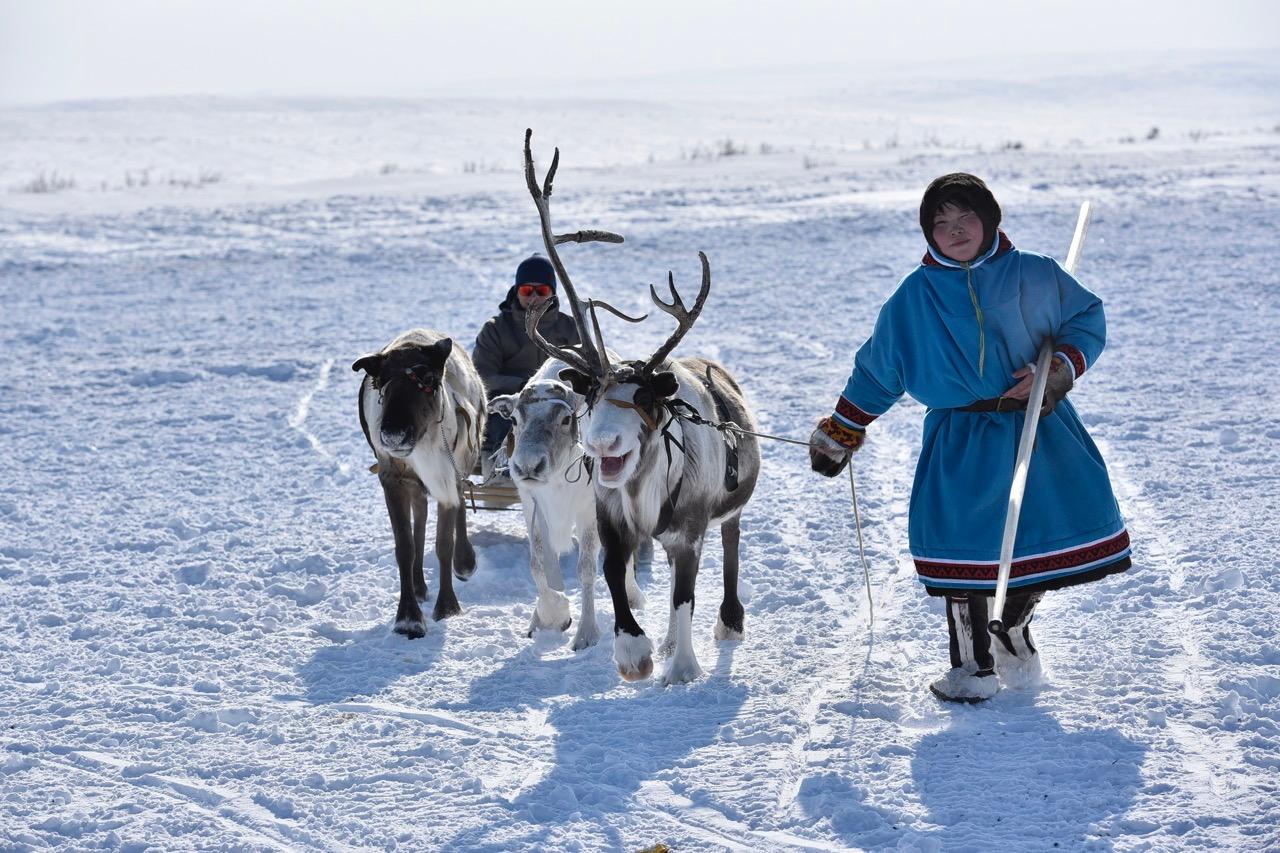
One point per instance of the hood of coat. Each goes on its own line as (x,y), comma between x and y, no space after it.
(934,258)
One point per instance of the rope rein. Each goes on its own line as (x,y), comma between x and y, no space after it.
(730,432)
(684,411)
(866,572)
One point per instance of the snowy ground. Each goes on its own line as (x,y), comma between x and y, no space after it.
(197,577)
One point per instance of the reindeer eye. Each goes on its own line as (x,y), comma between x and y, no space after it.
(565,420)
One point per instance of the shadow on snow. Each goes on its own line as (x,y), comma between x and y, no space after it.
(1004,775)
(606,749)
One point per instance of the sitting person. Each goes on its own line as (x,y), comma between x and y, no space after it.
(504,355)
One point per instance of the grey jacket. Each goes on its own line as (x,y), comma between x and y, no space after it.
(503,353)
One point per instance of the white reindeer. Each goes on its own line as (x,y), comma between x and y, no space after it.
(558,499)
(659,472)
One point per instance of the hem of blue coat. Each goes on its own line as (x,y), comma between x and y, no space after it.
(1040,583)
(1022,551)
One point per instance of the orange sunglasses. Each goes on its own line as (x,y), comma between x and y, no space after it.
(530,289)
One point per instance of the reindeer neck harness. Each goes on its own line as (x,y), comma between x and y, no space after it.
(676,409)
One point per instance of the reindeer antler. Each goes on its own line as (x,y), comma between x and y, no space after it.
(685,318)
(589,356)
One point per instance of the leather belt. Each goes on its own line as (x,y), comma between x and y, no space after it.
(996,404)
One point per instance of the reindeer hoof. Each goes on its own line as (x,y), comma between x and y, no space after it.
(535,626)
(464,560)
(585,640)
(726,632)
(681,672)
(644,670)
(445,608)
(414,629)
(633,655)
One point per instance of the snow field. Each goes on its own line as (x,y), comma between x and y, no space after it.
(198,575)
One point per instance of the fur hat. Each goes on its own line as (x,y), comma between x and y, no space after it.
(962,190)
(536,269)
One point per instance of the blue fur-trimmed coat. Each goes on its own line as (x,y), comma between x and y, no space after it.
(952,334)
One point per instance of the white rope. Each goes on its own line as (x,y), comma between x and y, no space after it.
(862,554)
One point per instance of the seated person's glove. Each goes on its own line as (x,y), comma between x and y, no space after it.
(831,445)
(1057,385)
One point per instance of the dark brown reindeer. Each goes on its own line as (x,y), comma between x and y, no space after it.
(658,472)
(422,412)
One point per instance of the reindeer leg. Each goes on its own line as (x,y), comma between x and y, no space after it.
(669,644)
(535,560)
(632,650)
(399,500)
(588,633)
(464,556)
(551,564)
(682,666)
(420,589)
(446,526)
(635,597)
(552,609)
(729,623)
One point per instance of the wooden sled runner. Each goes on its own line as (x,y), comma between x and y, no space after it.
(479,496)
(491,496)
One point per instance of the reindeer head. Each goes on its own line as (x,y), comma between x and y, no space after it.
(625,402)
(544,428)
(407,376)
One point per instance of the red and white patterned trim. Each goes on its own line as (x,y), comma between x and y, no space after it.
(852,416)
(1074,358)
(1035,567)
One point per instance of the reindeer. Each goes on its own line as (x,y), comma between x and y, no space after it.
(420,405)
(556,494)
(661,471)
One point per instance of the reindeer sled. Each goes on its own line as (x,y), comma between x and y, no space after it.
(658,468)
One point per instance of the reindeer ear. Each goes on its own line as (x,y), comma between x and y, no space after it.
(578,381)
(664,385)
(441,349)
(370,364)
(575,400)
(504,405)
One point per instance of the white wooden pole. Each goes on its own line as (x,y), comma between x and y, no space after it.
(1019,487)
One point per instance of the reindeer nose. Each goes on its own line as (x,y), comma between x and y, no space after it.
(533,472)
(606,445)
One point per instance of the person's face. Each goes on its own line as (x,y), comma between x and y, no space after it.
(957,231)
(532,295)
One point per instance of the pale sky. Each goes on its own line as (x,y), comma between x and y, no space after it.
(77,49)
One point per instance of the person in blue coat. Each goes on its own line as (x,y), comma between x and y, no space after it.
(960,334)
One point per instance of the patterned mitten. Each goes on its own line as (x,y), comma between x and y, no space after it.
(831,445)
(1056,386)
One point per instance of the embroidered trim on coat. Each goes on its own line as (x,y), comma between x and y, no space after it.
(1074,558)
(1073,355)
(853,416)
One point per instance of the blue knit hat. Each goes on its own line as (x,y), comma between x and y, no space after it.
(536,269)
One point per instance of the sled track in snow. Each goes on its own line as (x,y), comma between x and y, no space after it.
(302,409)
(235,813)
(855,630)
(1209,757)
